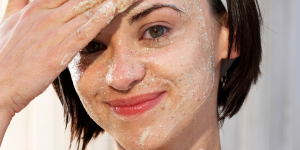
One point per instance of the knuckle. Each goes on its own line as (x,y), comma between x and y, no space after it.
(31,9)
(49,4)
(89,14)
(28,12)
(80,34)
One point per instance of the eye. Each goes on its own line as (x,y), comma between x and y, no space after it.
(155,32)
(94,46)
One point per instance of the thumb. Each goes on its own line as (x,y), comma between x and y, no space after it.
(14,6)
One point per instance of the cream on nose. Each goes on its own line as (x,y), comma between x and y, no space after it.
(124,73)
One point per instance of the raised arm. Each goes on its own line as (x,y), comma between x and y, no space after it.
(38,40)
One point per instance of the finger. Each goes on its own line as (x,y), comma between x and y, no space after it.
(78,7)
(86,32)
(50,4)
(72,9)
(83,18)
(123,5)
(60,32)
(14,6)
(71,26)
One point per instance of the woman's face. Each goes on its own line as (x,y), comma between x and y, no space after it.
(150,72)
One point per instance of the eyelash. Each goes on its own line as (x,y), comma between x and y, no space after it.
(166,33)
(157,40)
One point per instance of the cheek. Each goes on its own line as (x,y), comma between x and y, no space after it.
(87,73)
(190,61)
(88,76)
(188,66)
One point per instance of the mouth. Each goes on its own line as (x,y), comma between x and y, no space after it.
(136,105)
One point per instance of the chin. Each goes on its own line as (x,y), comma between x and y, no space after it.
(143,143)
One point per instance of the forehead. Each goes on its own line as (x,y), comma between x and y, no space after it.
(186,5)
(195,13)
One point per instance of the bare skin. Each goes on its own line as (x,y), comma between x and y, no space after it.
(38,41)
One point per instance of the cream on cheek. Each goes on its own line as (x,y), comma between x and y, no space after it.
(195,86)
(195,82)
(77,69)
(87,77)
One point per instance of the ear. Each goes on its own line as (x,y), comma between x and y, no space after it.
(223,47)
(224,42)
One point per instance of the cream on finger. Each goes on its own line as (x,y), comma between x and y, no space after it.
(121,5)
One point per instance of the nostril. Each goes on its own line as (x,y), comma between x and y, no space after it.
(133,83)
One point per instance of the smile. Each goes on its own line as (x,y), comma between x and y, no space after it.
(137,104)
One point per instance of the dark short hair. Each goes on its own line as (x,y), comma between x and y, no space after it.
(244,19)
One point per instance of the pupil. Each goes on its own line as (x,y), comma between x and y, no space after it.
(94,46)
(156,31)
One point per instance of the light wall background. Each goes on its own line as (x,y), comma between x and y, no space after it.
(268,121)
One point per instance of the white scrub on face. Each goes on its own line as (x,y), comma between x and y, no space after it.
(185,69)
(196,85)
(207,49)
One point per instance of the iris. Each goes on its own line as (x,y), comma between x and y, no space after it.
(156,31)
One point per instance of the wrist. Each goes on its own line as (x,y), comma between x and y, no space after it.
(5,110)
(5,113)
(5,117)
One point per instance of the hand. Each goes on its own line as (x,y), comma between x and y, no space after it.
(39,39)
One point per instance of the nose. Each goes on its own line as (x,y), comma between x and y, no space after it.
(124,72)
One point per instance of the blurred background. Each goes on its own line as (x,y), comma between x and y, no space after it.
(268,121)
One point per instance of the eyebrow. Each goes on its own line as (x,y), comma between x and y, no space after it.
(144,13)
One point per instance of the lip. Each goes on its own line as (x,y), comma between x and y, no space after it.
(136,105)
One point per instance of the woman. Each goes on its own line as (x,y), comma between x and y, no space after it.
(155,77)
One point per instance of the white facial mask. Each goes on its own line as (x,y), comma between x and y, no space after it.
(181,65)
